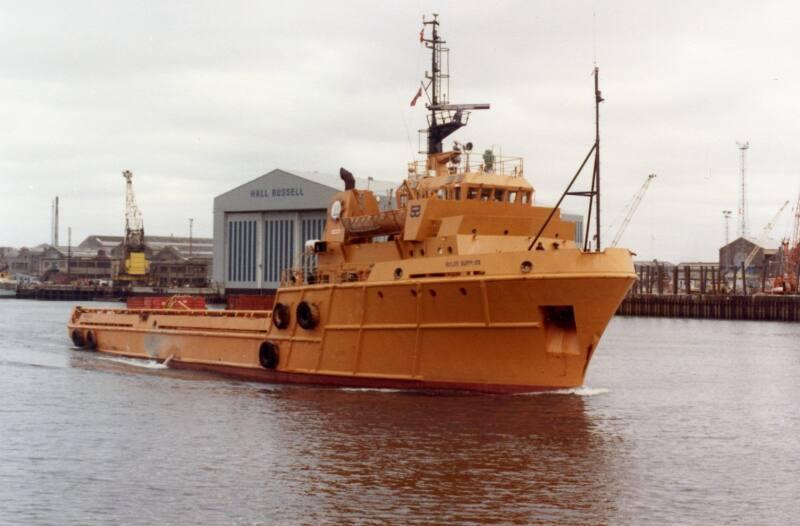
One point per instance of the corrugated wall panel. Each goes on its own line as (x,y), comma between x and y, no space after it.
(241,256)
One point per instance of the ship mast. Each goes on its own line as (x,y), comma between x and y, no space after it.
(444,118)
(594,192)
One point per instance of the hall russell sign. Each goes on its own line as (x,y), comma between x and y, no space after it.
(276,192)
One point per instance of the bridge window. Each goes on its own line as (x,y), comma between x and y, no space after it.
(498,194)
(512,197)
(472,193)
(486,194)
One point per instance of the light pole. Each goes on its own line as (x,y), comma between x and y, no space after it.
(727,215)
(743,199)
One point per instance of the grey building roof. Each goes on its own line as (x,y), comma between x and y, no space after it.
(769,244)
(202,247)
(335,182)
(291,191)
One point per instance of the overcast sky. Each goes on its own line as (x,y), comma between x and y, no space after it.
(198,97)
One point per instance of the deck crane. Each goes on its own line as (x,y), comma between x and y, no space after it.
(637,199)
(135,266)
(762,238)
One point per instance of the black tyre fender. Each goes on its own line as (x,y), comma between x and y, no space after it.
(307,315)
(91,341)
(77,338)
(281,315)
(268,355)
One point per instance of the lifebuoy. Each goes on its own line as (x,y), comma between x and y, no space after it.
(281,315)
(91,341)
(77,338)
(268,355)
(307,315)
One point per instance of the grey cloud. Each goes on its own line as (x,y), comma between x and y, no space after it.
(198,97)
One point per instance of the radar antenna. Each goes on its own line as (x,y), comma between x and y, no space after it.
(444,118)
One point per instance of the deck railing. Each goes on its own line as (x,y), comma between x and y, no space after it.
(474,163)
(301,276)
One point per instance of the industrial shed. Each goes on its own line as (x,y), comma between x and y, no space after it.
(260,227)
(734,253)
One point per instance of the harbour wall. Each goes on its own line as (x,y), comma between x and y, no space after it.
(713,306)
(107,293)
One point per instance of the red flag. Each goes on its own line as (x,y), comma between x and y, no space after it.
(416,97)
(421,34)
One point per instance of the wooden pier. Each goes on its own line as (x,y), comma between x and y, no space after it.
(707,292)
(70,293)
(75,292)
(713,306)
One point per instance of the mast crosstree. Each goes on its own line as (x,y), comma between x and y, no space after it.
(444,118)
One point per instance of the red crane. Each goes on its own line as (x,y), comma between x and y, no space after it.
(787,283)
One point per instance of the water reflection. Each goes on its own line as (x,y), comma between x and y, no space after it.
(322,455)
(480,459)
(698,424)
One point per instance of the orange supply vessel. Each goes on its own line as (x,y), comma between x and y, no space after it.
(461,282)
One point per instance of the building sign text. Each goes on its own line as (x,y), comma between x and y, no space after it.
(266,193)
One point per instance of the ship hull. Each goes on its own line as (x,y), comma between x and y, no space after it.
(496,333)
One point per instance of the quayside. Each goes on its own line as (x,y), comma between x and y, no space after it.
(457,280)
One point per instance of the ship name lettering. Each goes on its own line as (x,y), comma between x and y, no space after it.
(462,263)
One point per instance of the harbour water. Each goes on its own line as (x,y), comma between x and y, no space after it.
(681,421)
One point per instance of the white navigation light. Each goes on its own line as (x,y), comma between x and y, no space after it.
(336,210)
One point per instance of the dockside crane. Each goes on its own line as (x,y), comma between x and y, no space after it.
(795,240)
(764,236)
(787,282)
(135,266)
(637,199)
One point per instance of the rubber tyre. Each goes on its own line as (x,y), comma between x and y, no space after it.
(77,339)
(307,315)
(281,316)
(268,355)
(91,341)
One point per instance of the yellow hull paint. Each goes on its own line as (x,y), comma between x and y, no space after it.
(492,331)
